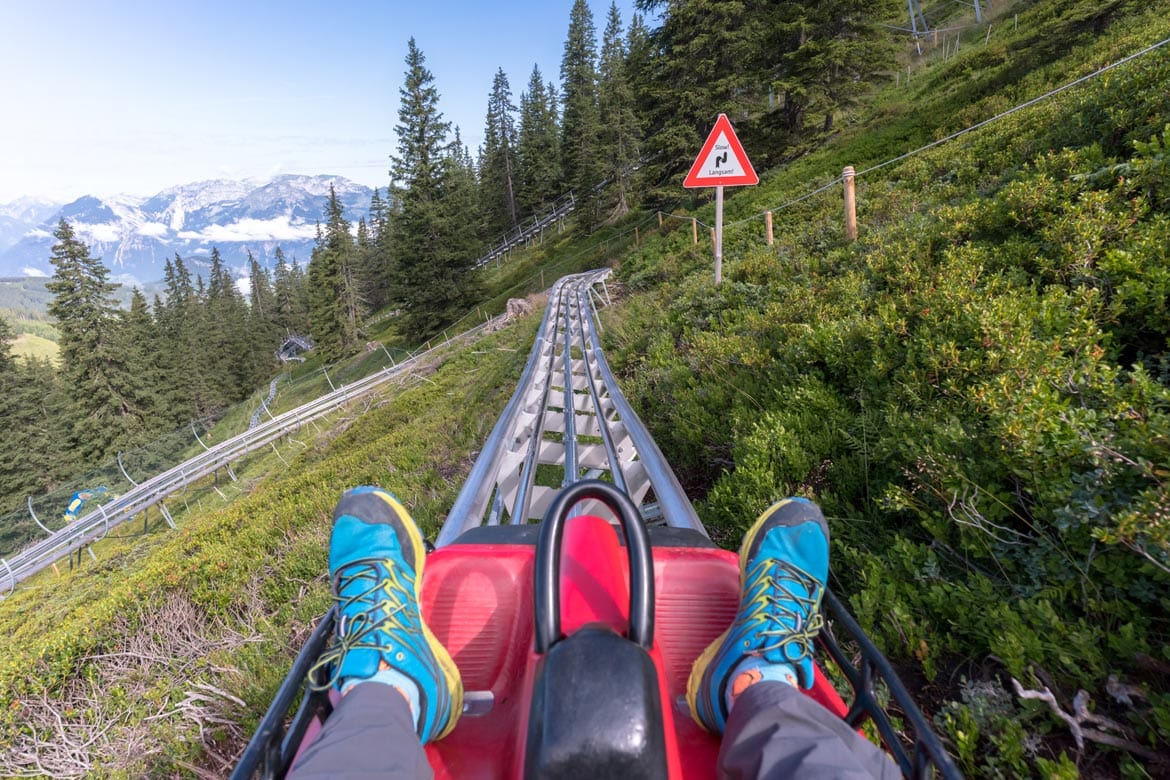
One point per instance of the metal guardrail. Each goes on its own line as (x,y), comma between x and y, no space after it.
(94,525)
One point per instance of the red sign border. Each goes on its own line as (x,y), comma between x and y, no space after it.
(694,179)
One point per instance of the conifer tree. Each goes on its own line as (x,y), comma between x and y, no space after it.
(538,154)
(432,269)
(225,334)
(36,449)
(289,295)
(139,343)
(263,329)
(374,255)
(822,56)
(580,121)
(497,166)
(6,361)
(98,380)
(335,305)
(619,135)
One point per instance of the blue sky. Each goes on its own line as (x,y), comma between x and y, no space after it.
(133,96)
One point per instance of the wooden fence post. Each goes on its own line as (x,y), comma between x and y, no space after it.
(768,227)
(660,220)
(850,203)
(695,230)
(637,237)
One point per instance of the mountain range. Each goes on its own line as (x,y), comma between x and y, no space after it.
(135,235)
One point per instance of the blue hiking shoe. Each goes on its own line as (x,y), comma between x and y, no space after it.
(376,559)
(783,566)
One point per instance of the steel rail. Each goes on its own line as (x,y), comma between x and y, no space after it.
(567,414)
(94,525)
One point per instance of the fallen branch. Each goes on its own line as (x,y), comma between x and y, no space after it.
(1076,723)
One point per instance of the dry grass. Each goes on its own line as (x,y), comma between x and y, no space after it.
(106,718)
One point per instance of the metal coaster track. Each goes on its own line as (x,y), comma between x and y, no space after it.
(568,421)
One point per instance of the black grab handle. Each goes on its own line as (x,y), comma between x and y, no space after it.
(546,594)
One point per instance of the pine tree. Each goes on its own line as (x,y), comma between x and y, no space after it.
(99,382)
(225,333)
(497,166)
(619,135)
(140,344)
(432,269)
(376,260)
(263,328)
(707,60)
(6,361)
(822,56)
(289,294)
(36,450)
(335,305)
(581,122)
(538,154)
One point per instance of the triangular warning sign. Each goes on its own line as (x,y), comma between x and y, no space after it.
(722,163)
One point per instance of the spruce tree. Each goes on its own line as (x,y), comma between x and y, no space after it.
(580,121)
(264,332)
(375,254)
(821,57)
(6,360)
(141,345)
(289,294)
(497,167)
(225,333)
(335,305)
(99,382)
(708,60)
(620,135)
(36,450)
(538,154)
(432,268)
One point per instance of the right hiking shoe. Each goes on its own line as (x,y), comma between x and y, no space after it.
(783,567)
(376,558)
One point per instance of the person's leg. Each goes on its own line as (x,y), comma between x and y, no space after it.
(758,664)
(775,731)
(399,686)
(369,735)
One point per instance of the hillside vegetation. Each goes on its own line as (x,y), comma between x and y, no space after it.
(977,391)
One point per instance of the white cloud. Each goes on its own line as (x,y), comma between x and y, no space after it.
(275,229)
(38,233)
(106,234)
(28,270)
(152,229)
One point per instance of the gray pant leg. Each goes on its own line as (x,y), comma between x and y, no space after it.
(369,735)
(775,731)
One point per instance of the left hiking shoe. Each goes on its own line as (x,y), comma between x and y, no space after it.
(783,567)
(376,558)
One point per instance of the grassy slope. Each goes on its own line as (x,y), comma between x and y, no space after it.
(32,346)
(251,575)
(760,380)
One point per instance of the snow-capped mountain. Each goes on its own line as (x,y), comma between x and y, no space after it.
(18,217)
(135,236)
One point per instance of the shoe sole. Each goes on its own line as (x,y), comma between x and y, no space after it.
(446,662)
(708,655)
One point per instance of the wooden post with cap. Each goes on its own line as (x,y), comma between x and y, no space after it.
(850,202)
